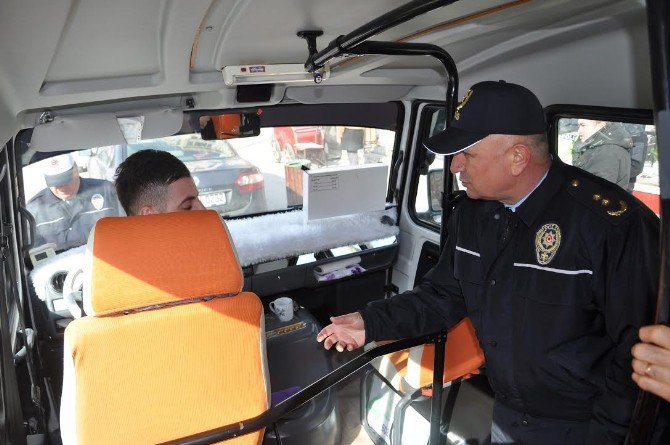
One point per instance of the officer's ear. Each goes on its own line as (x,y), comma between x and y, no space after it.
(521,155)
(147,210)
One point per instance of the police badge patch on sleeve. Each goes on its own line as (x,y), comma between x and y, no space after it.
(547,241)
(98,201)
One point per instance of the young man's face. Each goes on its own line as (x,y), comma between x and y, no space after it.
(586,128)
(182,195)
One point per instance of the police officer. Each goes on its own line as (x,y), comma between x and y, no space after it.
(539,257)
(66,211)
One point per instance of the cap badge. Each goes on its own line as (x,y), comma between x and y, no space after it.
(547,241)
(461,104)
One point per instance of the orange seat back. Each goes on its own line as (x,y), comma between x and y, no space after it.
(174,347)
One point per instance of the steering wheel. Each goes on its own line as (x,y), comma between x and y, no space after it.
(73,292)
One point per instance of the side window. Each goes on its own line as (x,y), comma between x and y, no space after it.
(428,199)
(621,152)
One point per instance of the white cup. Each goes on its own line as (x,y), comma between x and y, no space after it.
(283,307)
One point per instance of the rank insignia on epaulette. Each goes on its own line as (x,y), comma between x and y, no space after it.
(547,242)
(623,207)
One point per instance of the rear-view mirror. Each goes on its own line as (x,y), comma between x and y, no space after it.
(228,126)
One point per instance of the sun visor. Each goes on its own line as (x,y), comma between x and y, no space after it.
(314,94)
(67,133)
(161,123)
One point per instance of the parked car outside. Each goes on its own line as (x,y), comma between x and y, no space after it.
(226,182)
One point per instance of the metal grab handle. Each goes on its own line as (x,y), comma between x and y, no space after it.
(275,413)
(342,44)
(31,228)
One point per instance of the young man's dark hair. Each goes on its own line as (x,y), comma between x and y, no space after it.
(154,181)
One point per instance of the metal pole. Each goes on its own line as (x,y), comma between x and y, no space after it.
(658,22)
(436,402)
(419,49)
(342,44)
(274,414)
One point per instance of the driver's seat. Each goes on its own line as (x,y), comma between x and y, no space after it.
(173,346)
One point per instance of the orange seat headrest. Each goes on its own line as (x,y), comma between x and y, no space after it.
(138,262)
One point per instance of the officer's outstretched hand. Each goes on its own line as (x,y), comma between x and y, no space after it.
(651,360)
(346,332)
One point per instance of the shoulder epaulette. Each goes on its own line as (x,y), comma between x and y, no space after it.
(605,199)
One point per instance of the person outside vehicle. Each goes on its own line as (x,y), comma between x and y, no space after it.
(604,150)
(638,152)
(538,258)
(353,139)
(68,208)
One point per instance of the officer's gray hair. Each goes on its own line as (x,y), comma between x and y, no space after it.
(539,144)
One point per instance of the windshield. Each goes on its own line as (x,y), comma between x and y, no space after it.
(68,193)
(186,148)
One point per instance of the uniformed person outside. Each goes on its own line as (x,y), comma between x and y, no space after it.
(556,268)
(66,211)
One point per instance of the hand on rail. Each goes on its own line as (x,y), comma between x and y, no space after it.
(346,332)
(651,360)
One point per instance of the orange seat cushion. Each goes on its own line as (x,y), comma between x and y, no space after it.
(463,356)
(162,374)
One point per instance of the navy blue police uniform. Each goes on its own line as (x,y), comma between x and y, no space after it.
(556,306)
(68,223)
(556,290)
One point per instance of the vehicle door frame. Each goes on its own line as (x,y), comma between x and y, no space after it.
(415,235)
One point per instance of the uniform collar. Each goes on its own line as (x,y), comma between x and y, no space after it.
(542,196)
(513,207)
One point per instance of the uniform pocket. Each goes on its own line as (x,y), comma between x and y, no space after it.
(52,229)
(469,272)
(468,266)
(554,286)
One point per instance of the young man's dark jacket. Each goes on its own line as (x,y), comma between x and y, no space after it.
(556,309)
(607,154)
(67,224)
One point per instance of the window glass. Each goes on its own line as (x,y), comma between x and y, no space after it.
(427,203)
(236,177)
(621,152)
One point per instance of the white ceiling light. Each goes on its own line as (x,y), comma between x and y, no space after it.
(278,73)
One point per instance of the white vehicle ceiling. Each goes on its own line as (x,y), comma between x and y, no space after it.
(84,56)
